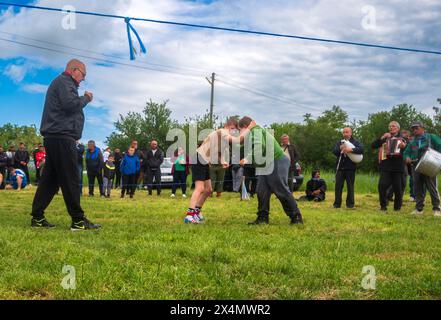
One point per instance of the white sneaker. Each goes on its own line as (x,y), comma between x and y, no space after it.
(436,213)
(172,195)
(190,219)
(417,212)
(184,196)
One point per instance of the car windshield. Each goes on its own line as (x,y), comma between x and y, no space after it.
(167,163)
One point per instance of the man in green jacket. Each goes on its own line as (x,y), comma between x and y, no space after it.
(272,166)
(413,153)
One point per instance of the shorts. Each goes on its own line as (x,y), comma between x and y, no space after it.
(15,185)
(200,172)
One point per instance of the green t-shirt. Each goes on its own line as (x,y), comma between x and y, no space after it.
(178,165)
(258,138)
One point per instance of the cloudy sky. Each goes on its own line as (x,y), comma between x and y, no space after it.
(271,79)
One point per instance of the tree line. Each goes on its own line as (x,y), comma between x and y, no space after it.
(314,137)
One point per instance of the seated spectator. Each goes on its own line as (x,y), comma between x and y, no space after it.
(3,166)
(18,179)
(315,188)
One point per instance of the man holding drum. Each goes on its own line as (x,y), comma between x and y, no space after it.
(413,154)
(390,161)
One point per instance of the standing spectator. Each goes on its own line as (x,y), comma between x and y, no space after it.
(62,123)
(39,160)
(154,159)
(315,188)
(94,166)
(391,166)
(237,171)
(180,170)
(108,175)
(10,163)
(293,155)
(413,153)
(18,179)
(3,167)
(106,154)
(345,168)
(118,158)
(80,163)
(140,156)
(249,171)
(130,166)
(21,160)
(217,176)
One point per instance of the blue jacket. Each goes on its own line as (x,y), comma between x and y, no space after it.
(130,165)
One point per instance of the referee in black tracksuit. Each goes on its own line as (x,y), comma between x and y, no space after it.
(61,125)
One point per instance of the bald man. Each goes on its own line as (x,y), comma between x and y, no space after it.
(345,168)
(61,126)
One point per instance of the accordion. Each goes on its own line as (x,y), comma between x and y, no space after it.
(392,147)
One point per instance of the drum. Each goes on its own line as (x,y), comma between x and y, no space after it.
(430,163)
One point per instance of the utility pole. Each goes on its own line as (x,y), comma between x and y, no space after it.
(211,82)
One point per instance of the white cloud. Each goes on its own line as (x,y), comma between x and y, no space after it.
(312,75)
(35,88)
(15,72)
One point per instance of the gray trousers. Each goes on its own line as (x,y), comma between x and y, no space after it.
(107,186)
(431,184)
(237,179)
(276,183)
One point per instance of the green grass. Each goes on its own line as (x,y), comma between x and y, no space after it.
(144,251)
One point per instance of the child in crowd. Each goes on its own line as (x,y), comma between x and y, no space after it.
(108,175)
(129,167)
(18,179)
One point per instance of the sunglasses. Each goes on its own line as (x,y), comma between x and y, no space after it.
(82,73)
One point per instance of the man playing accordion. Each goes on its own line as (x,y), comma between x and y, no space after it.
(391,146)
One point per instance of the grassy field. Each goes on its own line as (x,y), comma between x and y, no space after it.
(144,251)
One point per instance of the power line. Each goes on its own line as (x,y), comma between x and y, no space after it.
(103,54)
(229,82)
(262,33)
(98,59)
(257,92)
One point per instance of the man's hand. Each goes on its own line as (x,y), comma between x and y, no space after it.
(89,94)
(225,165)
(243,162)
(408,160)
(403,144)
(385,136)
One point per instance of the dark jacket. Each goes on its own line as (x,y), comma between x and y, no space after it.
(391,163)
(130,165)
(118,158)
(80,150)
(315,184)
(3,160)
(94,161)
(21,156)
(346,164)
(63,109)
(293,154)
(153,162)
(109,170)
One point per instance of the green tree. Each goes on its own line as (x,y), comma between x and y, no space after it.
(152,123)
(12,135)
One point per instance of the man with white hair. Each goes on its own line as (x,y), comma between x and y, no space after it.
(390,161)
(61,126)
